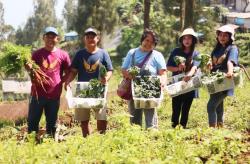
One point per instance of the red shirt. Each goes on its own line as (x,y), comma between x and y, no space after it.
(52,64)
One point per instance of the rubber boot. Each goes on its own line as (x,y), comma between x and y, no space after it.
(220,124)
(85,128)
(101,126)
(212,125)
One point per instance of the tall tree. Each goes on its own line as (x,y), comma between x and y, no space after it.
(44,15)
(1,21)
(146,13)
(98,13)
(182,14)
(189,13)
(69,13)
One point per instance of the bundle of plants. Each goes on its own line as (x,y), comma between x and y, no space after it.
(102,71)
(204,61)
(95,89)
(13,58)
(179,59)
(147,87)
(134,71)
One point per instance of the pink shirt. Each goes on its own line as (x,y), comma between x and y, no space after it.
(52,64)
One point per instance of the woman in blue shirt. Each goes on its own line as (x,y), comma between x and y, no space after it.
(181,104)
(224,58)
(155,65)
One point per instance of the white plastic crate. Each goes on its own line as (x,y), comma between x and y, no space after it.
(176,86)
(146,103)
(213,86)
(84,103)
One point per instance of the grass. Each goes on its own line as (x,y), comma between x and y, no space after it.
(124,143)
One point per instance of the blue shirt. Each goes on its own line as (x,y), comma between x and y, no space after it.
(87,64)
(233,56)
(155,63)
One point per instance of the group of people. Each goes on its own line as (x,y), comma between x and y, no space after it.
(56,63)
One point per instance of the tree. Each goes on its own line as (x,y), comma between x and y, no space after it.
(1,21)
(98,13)
(146,13)
(69,13)
(44,15)
(189,13)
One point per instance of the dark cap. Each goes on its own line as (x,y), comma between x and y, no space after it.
(91,30)
(50,30)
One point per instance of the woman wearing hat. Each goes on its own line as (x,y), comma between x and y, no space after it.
(224,57)
(181,104)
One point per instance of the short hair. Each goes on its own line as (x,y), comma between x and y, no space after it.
(150,32)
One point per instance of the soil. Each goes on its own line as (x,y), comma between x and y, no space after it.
(17,110)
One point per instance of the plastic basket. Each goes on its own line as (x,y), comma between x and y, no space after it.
(84,103)
(146,103)
(178,87)
(214,86)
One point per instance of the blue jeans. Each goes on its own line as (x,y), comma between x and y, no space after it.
(151,118)
(215,108)
(36,108)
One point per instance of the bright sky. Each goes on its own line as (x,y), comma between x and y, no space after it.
(16,12)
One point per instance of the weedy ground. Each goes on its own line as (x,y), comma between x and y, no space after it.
(124,143)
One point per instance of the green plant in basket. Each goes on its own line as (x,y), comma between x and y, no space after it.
(147,87)
(95,89)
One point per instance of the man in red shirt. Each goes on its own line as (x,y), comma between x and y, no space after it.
(54,62)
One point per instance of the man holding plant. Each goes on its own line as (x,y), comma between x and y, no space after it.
(47,75)
(87,64)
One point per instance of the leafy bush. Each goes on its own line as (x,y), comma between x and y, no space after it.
(243,43)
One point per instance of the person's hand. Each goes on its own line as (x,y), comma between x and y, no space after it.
(229,74)
(66,85)
(181,67)
(209,65)
(28,66)
(104,80)
(187,78)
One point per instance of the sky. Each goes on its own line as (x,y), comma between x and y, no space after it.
(16,12)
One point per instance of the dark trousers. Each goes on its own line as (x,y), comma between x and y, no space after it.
(36,108)
(181,105)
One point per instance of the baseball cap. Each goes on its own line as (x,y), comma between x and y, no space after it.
(91,30)
(50,30)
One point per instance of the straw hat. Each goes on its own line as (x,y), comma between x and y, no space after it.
(226,28)
(188,31)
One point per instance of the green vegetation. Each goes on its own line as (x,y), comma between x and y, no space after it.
(179,60)
(147,87)
(124,143)
(243,43)
(13,58)
(95,89)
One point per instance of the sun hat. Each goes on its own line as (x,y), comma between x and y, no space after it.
(188,31)
(91,30)
(226,28)
(50,30)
